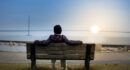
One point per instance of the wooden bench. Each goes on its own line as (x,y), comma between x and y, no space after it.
(60,51)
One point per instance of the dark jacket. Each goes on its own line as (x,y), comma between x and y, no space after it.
(58,39)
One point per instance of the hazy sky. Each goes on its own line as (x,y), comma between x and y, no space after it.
(109,15)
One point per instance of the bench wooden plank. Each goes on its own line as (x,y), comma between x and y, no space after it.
(58,49)
(61,49)
(61,57)
(66,56)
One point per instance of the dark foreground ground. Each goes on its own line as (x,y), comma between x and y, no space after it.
(26,66)
(100,58)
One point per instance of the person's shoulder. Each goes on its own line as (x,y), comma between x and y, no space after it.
(51,35)
(63,35)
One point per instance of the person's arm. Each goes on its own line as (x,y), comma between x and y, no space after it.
(48,40)
(43,42)
(76,42)
(65,39)
(72,42)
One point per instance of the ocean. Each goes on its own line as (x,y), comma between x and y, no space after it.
(85,36)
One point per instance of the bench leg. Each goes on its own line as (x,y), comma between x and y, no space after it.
(53,64)
(33,58)
(63,64)
(87,57)
(33,64)
(87,64)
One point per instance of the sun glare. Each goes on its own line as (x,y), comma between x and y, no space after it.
(94,29)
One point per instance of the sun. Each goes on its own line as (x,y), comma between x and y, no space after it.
(94,29)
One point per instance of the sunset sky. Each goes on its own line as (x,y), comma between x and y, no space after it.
(107,15)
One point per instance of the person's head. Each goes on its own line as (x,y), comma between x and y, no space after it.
(57,29)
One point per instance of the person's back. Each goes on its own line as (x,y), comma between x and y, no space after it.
(56,38)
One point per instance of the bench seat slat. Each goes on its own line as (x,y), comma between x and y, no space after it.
(68,57)
(61,52)
(58,48)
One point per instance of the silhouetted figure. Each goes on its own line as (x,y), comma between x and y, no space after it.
(58,38)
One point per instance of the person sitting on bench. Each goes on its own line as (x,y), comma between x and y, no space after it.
(58,38)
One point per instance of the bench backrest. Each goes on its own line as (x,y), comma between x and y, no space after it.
(61,51)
